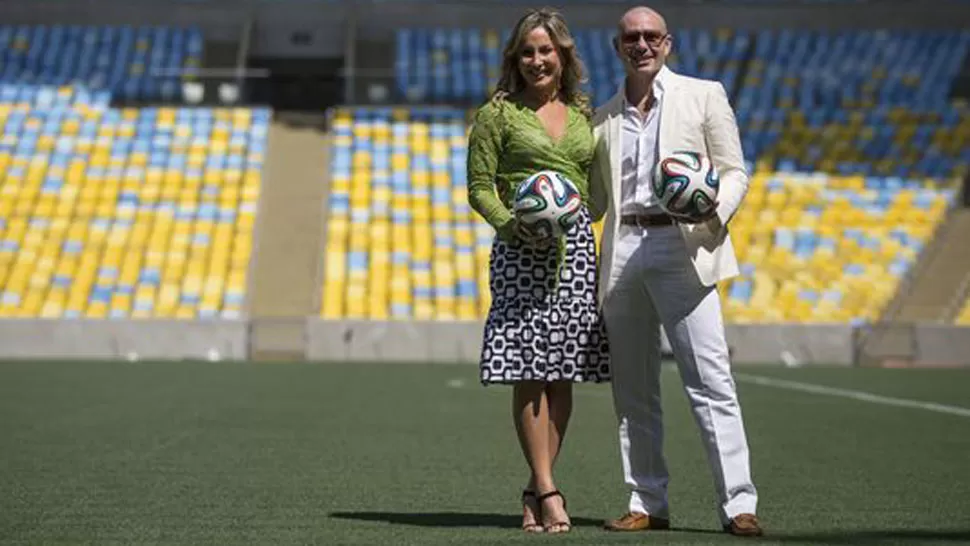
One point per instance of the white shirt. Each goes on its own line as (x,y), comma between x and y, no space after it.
(639,138)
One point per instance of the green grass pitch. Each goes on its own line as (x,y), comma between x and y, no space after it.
(243,453)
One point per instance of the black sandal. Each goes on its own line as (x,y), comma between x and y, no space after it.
(565,526)
(535,526)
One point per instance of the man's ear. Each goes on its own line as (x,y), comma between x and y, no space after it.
(616,44)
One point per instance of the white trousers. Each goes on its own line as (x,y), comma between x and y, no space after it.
(653,284)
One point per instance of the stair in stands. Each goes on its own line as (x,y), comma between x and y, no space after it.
(934,293)
(931,296)
(961,84)
(289,235)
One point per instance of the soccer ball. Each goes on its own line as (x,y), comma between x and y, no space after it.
(686,183)
(548,202)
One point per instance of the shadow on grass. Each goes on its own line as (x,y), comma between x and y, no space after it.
(473,519)
(508,521)
(878,536)
(451,519)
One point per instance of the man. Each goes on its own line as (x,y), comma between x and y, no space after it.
(659,270)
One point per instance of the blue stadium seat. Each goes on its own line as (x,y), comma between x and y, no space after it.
(143,63)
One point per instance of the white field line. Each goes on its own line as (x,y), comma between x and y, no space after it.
(798,386)
(861,396)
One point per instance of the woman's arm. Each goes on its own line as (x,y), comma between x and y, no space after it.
(484,148)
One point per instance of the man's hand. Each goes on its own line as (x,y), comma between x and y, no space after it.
(698,219)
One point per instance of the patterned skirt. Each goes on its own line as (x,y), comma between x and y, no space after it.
(539,327)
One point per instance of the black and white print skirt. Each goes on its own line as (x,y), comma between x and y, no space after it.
(537,328)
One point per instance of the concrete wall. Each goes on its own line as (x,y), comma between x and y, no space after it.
(411,341)
(794,344)
(108,339)
(415,341)
(942,345)
(461,342)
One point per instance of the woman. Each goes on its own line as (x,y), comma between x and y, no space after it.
(543,333)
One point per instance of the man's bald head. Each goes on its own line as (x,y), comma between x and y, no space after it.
(637,15)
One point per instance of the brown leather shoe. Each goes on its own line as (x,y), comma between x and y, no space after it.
(637,521)
(744,525)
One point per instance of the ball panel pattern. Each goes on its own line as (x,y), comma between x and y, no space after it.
(548,202)
(686,183)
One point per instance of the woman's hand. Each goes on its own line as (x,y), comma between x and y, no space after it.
(528,234)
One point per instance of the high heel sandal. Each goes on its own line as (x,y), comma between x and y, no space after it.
(536,526)
(563,526)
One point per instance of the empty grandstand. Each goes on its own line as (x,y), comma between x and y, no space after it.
(120,213)
(143,63)
(827,248)
(402,240)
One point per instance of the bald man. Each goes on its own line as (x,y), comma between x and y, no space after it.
(658,270)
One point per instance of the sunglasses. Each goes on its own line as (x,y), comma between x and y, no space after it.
(652,38)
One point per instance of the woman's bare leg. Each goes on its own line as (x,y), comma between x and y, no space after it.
(530,411)
(559,396)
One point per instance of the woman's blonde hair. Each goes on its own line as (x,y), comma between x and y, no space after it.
(573,72)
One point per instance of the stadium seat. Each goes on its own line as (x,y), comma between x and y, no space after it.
(107,215)
(837,101)
(827,248)
(402,241)
(133,63)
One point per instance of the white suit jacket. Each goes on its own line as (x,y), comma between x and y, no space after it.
(695,115)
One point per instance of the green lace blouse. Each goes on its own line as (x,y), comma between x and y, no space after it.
(508,143)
